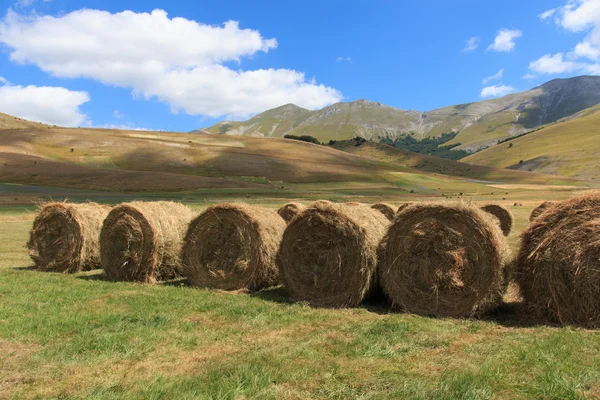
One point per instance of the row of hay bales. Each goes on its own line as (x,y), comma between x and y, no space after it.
(443,259)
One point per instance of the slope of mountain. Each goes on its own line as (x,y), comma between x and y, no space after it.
(479,125)
(272,123)
(568,148)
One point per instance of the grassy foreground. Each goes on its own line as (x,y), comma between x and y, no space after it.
(77,336)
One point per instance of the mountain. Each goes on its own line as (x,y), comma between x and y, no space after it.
(272,123)
(479,125)
(570,147)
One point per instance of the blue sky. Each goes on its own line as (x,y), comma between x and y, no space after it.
(180,65)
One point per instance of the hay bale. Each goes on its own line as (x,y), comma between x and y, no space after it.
(64,236)
(443,259)
(141,241)
(388,210)
(328,254)
(539,210)
(503,216)
(233,247)
(402,207)
(290,210)
(558,267)
(321,202)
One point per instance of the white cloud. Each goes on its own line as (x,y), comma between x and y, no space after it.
(51,105)
(472,43)
(586,50)
(547,14)
(496,91)
(529,76)
(495,77)
(348,59)
(575,16)
(3,80)
(177,61)
(28,3)
(128,126)
(505,40)
(553,64)
(118,115)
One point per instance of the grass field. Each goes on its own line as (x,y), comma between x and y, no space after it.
(78,336)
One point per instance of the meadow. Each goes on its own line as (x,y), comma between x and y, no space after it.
(79,336)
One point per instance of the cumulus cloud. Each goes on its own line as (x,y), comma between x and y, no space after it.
(339,59)
(496,91)
(505,40)
(472,43)
(574,16)
(3,80)
(50,105)
(176,60)
(497,76)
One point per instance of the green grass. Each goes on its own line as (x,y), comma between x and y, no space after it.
(77,336)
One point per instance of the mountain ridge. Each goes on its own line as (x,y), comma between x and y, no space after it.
(479,124)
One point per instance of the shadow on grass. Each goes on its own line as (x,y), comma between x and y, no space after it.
(99,275)
(376,303)
(30,268)
(278,294)
(516,315)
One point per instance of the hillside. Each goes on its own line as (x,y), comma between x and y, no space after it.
(479,125)
(567,148)
(428,164)
(101,159)
(10,122)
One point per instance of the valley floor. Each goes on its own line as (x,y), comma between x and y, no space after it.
(78,336)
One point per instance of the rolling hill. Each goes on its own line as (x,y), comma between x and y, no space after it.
(569,148)
(479,125)
(134,161)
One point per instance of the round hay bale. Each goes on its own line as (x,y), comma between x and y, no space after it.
(328,254)
(558,267)
(141,241)
(402,207)
(64,236)
(502,215)
(290,210)
(233,247)
(539,210)
(386,209)
(443,259)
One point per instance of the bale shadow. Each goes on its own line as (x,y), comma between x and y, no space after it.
(94,275)
(179,282)
(30,268)
(377,303)
(277,294)
(516,315)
